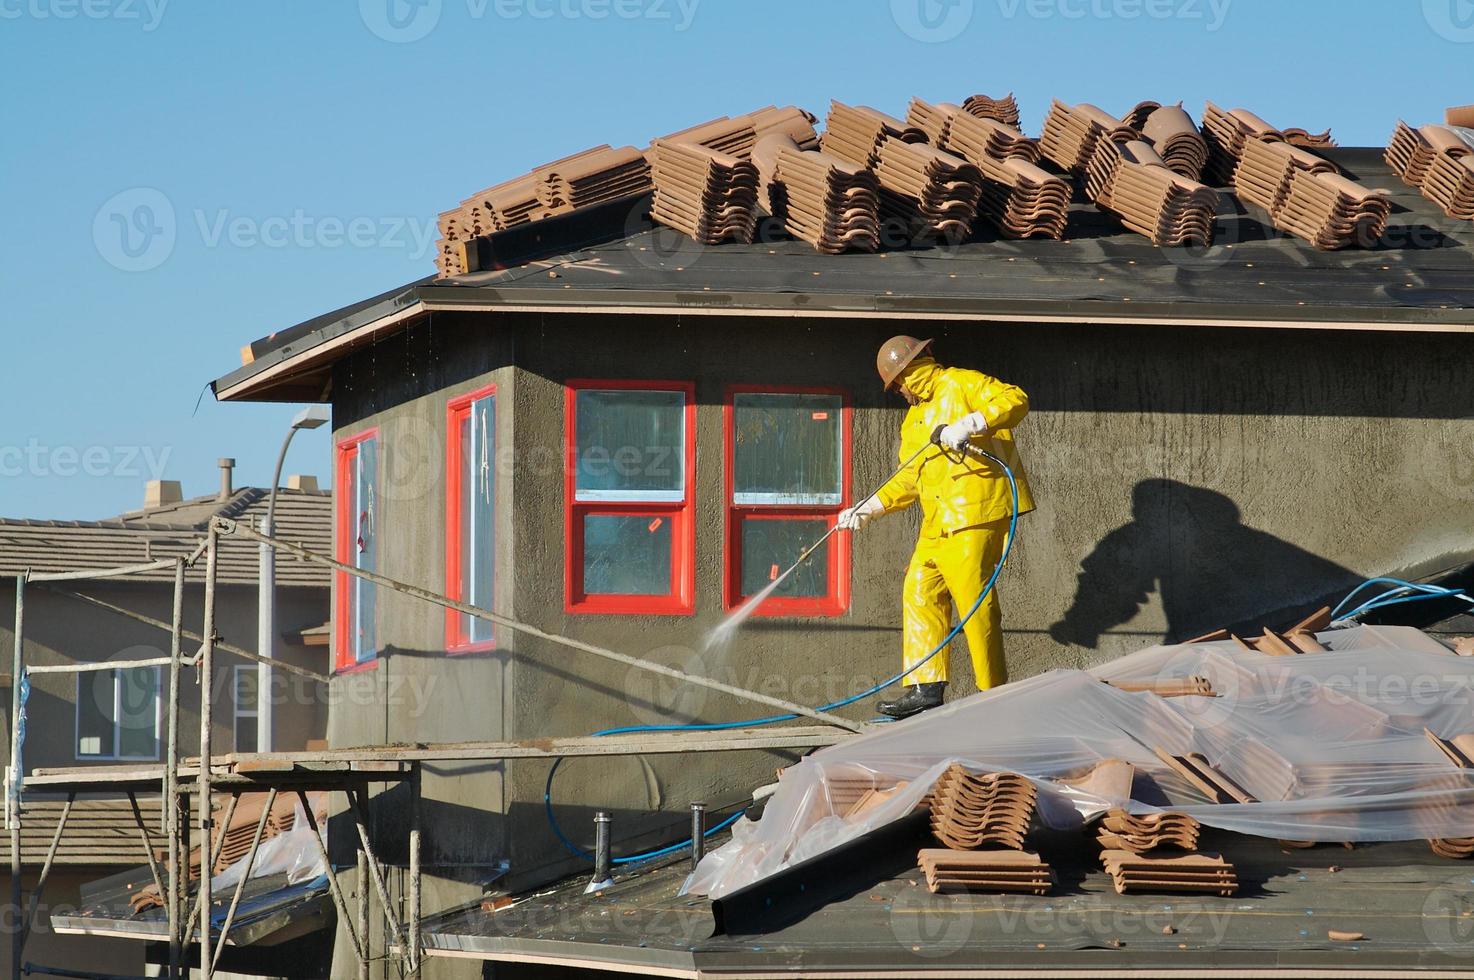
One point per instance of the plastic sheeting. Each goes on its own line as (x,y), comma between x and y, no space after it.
(1331,746)
(293,854)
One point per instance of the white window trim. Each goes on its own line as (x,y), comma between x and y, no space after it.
(116,756)
(787,499)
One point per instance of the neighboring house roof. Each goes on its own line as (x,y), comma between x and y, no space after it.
(302,517)
(98,831)
(611,259)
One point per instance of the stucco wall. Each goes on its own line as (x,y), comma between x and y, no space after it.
(1186,478)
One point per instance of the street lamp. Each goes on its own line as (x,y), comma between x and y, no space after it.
(309,418)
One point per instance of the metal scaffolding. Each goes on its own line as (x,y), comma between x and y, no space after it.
(347,771)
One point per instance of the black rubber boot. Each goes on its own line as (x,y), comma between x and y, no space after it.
(917,699)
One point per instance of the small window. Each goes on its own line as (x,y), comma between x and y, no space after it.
(118,714)
(357,488)
(631,537)
(247,706)
(470,507)
(788,478)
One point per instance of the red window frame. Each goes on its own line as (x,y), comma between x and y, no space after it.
(680,600)
(345,453)
(457,412)
(836,601)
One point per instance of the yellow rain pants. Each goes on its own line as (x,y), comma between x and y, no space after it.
(949,570)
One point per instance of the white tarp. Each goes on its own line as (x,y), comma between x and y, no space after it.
(1331,745)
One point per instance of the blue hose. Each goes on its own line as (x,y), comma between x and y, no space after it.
(1395,596)
(774,719)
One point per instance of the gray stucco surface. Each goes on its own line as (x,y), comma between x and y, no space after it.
(1186,478)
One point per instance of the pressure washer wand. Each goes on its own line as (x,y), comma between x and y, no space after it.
(830,533)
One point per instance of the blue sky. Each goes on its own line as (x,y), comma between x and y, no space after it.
(274,159)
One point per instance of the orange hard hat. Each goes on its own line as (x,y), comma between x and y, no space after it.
(896,355)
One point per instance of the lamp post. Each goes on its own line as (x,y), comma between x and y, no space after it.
(309,418)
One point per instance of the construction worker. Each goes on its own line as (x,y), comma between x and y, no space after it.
(965,508)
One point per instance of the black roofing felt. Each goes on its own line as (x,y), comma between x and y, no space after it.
(871,911)
(1420,274)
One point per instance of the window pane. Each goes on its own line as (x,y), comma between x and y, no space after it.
(245,734)
(787,449)
(478,542)
(365,550)
(630,445)
(95,700)
(138,712)
(770,546)
(246,683)
(626,555)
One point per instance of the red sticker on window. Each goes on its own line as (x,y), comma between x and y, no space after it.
(655,524)
(821,416)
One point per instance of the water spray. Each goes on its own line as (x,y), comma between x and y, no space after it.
(721,634)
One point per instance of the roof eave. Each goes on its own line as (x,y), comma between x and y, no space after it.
(279,374)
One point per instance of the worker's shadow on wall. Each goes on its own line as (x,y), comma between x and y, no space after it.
(1190,545)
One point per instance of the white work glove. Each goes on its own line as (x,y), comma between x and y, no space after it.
(857,516)
(959,433)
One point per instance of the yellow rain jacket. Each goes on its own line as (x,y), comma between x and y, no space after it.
(958,495)
(964,519)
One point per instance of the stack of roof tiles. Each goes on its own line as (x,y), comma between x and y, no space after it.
(1305,196)
(1123,831)
(1018,197)
(971,810)
(1004,110)
(599,175)
(237,838)
(1457,848)
(1297,136)
(847,787)
(1459,750)
(1195,770)
(709,195)
(1131,180)
(929,192)
(994,870)
(1072,133)
(1439,162)
(973,138)
(855,133)
(1265,168)
(933,120)
(738,135)
(1227,131)
(1184,873)
(592,177)
(1175,137)
(819,198)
